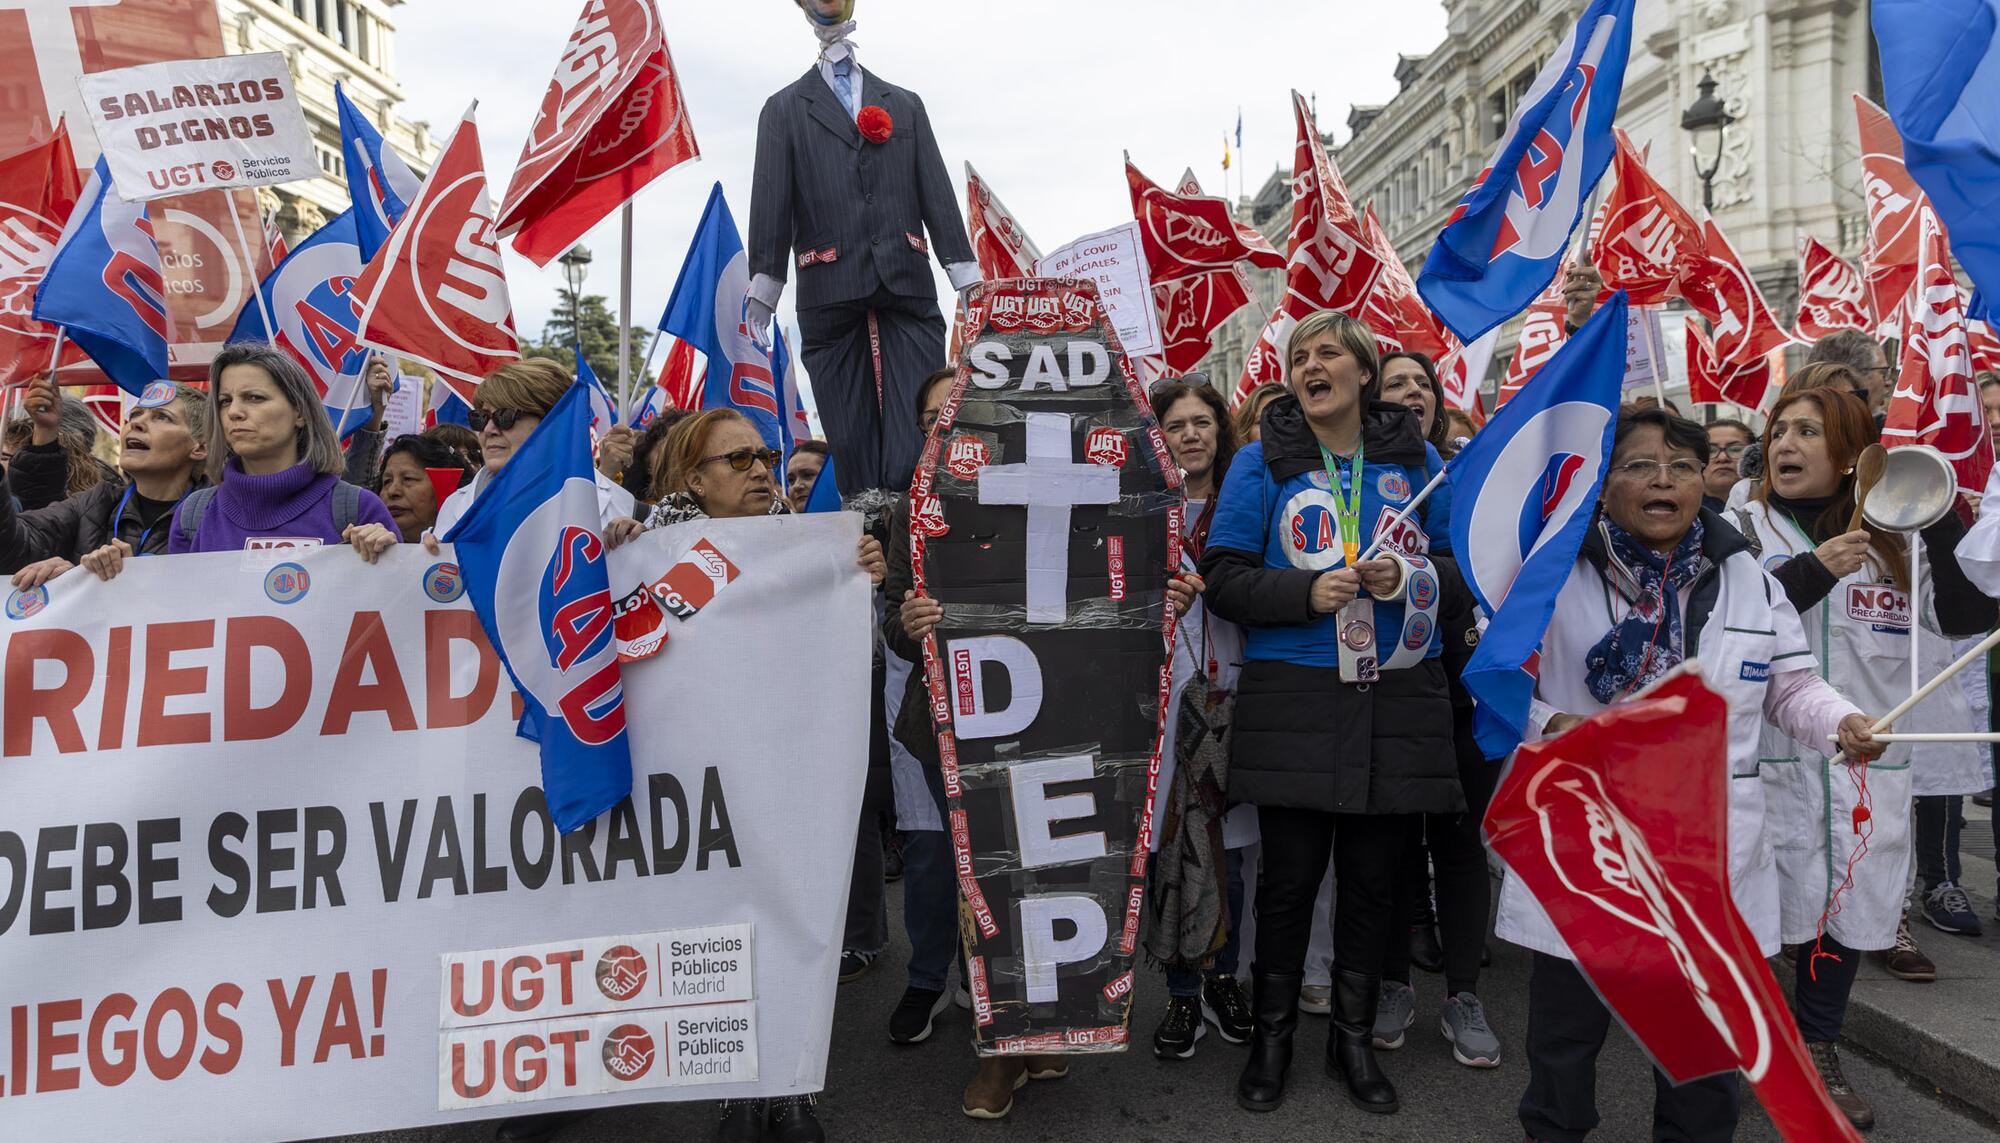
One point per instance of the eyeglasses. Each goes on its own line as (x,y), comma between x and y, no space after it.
(741,459)
(1732,451)
(502,419)
(1678,471)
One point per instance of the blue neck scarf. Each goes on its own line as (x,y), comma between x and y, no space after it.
(1648,642)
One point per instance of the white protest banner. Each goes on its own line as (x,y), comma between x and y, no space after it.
(273,863)
(211,124)
(1116,261)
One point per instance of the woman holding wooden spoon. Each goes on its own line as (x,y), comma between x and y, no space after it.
(1850,585)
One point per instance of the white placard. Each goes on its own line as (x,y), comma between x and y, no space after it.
(252,817)
(1116,261)
(1644,361)
(189,125)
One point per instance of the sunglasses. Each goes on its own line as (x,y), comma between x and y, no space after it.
(502,419)
(741,459)
(1197,379)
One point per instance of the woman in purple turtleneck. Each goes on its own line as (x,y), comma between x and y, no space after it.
(275,462)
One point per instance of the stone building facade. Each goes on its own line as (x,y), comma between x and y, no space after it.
(1785,69)
(350,42)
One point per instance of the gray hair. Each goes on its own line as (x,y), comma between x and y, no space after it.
(1850,347)
(75,419)
(318,445)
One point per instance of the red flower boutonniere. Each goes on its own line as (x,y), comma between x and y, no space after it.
(875,124)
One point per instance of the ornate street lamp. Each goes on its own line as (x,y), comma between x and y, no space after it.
(1706,122)
(575,263)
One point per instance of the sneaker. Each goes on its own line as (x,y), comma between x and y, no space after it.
(1949,910)
(911,1022)
(854,963)
(1180,1029)
(1316,999)
(1224,1005)
(1906,961)
(1395,1011)
(1473,1042)
(990,1095)
(1826,1058)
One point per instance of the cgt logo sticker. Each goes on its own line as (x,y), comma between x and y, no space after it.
(692,584)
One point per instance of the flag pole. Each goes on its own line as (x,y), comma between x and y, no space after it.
(1397,521)
(625,307)
(55,359)
(256,284)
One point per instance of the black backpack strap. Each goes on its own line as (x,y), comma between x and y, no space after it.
(346,506)
(193,506)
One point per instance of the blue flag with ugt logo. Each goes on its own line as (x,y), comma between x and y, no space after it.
(535,568)
(1523,494)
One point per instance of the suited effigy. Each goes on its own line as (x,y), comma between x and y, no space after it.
(851,194)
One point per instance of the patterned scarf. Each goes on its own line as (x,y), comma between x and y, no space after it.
(679,508)
(1648,642)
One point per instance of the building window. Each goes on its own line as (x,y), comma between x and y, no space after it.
(320,19)
(361,35)
(299,8)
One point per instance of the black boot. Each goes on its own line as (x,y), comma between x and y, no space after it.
(1275,1004)
(1350,1055)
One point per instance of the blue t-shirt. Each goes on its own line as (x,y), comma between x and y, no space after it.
(1295,526)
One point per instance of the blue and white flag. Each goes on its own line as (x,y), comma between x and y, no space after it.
(603,410)
(105,288)
(1506,241)
(825,492)
(1523,495)
(311,300)
(707,311)
(378,180)
(535,567)
(1941,82)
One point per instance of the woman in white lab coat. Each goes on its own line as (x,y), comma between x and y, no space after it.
(1660,581)
(1843,871)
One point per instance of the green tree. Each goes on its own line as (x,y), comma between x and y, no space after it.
(597,329)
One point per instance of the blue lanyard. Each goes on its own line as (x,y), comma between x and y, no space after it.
(138,549)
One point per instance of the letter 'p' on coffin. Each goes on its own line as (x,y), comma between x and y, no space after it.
(1046,518)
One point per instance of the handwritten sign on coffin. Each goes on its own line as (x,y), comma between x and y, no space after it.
(1046,518)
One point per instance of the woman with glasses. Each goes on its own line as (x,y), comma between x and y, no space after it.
(1659,582)
(1342,727)
(1727,441)
(511,401)
(1858,624)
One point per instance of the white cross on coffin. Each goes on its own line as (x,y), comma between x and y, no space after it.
(1050,483)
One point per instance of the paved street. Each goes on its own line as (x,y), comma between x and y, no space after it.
(877,1091)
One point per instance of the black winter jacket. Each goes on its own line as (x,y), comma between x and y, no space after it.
(1303,739)
(72,527)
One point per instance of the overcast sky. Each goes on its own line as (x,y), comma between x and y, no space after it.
(1040,95)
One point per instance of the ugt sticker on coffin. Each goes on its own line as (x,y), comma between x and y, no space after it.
(1046,518)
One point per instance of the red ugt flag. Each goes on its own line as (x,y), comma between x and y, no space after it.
(1619,828)
(1724,292)
(1645,242)
(437,291)
(1890,262)
(38,190)
(1543,331)
(1396,315)
(999,242)
(1189,234)
(1192,308)
(1329,263)
(1832,295)
(612,121)
(1936,402)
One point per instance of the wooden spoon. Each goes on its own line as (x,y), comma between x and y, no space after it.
(1868,470)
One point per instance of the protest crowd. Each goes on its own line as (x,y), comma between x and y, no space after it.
(1338,704)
